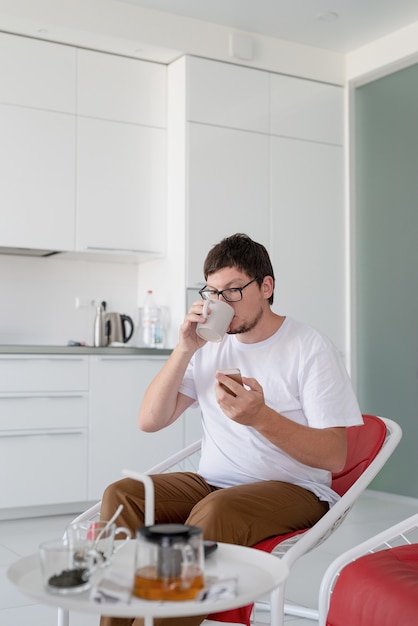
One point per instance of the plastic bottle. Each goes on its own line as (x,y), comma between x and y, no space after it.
(152,325)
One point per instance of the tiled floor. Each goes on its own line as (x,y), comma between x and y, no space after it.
(372,513)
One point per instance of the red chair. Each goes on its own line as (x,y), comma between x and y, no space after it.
(369,447)
(376,582)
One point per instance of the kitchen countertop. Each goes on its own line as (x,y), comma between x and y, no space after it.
(87,350)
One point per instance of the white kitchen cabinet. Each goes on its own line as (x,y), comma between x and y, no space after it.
(228,190)
(120,89)
(37,170)
(25,373)
(306,109)
(121,155)
(121,187)
(283,184)
(307,233)
(37,148)
(115,441)
(228,95)
(37,74)
(43,431)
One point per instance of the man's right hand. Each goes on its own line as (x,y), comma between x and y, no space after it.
(189,340)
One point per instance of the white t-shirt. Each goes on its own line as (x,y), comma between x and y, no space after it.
(303,377)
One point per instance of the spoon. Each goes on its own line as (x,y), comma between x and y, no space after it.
(109,523)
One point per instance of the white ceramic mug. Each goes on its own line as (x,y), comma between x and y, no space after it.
(217,322)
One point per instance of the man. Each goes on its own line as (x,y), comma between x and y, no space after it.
(269,450)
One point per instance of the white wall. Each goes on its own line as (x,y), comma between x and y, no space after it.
(37,301)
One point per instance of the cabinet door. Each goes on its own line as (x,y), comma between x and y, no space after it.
(306,109)
(37,373)
(121,187)
(121,89)
(43,467)
(115,441)
(37,74)
(308,243)
(227,95)
(228,172)
(37,171)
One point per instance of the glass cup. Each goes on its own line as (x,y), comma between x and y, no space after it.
(67,567)
(99,536)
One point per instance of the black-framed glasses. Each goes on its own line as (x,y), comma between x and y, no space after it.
(232,294)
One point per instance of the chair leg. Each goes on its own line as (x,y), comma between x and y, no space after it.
(63,617)
(277,606)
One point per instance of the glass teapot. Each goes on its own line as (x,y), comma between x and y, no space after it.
(169,562)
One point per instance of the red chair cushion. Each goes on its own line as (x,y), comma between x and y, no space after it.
(379,589)
(363,444)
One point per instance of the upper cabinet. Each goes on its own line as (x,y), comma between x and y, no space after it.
(121,89)
(227,95)
(227,157)
(37,74)
(305,109)
(83,150)
(121,187)
(37,171)
(37,147)
(228,190)
(259,153)
(121,155)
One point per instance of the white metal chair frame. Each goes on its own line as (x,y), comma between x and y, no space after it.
(401,534)
(290,549)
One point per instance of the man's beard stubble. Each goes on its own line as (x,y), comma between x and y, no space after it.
(245,328)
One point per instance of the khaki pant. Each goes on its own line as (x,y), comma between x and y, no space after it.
(243,515)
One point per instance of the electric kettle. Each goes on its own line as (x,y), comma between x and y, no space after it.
(119,328)
(169,562)
(111,327)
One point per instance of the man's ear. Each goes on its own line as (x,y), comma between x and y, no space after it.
(267,286)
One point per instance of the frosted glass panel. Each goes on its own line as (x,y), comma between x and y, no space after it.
(386,140)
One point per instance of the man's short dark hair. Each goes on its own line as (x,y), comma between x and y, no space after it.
(242,252)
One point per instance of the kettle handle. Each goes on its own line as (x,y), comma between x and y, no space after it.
(125,318)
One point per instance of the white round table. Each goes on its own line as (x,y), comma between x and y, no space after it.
(256,573)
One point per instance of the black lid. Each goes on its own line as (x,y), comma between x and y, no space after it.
(168,532)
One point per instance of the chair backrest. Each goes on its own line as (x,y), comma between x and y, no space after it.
(363,444)
(292,548)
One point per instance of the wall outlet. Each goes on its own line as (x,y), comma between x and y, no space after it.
(85,303)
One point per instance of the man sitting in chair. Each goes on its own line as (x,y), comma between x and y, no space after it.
(269,448)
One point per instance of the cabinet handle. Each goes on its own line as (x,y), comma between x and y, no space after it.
(41,396)
(152,357)
(41,357)
(132,250)
(41,433)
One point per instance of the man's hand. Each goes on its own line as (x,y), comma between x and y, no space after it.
(325,448)
(246,403)
(188,339)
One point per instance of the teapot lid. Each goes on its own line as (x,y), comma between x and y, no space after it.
(160,533)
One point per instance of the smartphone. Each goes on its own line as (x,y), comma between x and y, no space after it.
(235,374)
(209,547)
